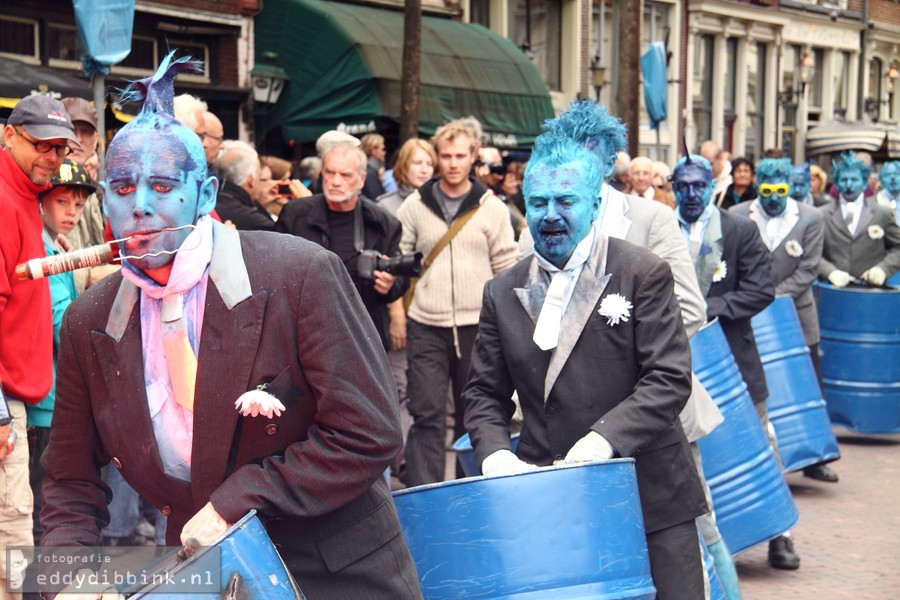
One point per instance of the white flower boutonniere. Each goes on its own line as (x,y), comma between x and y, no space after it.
(793,248)
(615,308)
(720,272)
(875,232)
(259,402)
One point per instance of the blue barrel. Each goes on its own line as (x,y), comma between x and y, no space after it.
(752,501)
(572,531)
(248,564)
(466,454)
(894,281)
(860,349)
(796,407)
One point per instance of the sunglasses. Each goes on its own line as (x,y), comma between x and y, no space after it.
(779,189)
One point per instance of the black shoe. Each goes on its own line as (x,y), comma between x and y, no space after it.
(782,555)
(821,472)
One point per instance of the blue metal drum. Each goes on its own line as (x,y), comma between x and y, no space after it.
(860,350)
(752,501)
(246,562)
(796,407)
(466,454)
(572,531)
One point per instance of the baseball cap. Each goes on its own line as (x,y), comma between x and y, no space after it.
(80,109)
(43,117)
(70,173)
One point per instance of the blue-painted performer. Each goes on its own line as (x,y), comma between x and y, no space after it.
(241,373)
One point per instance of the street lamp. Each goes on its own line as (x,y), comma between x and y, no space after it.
(598,76)
(268,80)
(807,68)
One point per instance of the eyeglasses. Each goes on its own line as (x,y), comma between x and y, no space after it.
(217,138)
(683,187)
(779,189)
(45,147)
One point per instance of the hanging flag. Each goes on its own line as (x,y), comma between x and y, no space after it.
(104,30)
(653,68)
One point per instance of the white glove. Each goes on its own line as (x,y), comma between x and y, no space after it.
(875,276)
(839,278)
(591,447)
(504,462)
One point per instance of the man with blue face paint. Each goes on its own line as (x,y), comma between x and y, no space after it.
(862,239)
(793,233)
(889,194)
(216,381)
(588,308)
(801,186)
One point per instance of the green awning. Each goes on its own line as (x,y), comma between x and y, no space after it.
(345,64)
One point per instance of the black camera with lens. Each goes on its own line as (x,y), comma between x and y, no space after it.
(405,265)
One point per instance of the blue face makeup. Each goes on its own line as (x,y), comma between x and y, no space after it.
(890,177)
(560,207)
(153,183)
(693,188)
(772,187)
(851,184)
(800,182)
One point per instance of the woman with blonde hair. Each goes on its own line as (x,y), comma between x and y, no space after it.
(415,165)
(818,180)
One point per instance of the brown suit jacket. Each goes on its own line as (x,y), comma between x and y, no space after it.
(290,319)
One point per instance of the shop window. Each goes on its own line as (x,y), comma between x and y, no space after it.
(756,94)
(702,86)
(535,26)
(840,82)
(142,59)
(197,51)
(63,47)
(19,38)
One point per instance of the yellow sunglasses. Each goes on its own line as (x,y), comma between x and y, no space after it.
(779,189)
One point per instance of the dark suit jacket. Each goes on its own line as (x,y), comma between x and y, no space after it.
(290,319)
(234,204)
(627,382)
(863,251)
(308,218)
(794,275)
(746,289)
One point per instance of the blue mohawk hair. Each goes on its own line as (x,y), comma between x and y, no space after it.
(589,124)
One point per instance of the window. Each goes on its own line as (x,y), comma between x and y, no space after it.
(534,26)
(480,12)
(815,80)
(142,58)
(840,82)
(730,91)
(756,94)
(875,69)
(702,86)
(63,47)
(197,51)
(19,38)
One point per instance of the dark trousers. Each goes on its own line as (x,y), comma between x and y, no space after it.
(676,563)
(433,367)
(38,438)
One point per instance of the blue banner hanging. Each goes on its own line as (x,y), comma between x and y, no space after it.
(653,67)
(104,30)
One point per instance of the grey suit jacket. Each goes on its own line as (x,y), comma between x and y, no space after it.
(794,274)
(280,312)
(867,248)
(628,382)
(653,226)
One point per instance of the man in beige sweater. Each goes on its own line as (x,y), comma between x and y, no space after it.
(443,317)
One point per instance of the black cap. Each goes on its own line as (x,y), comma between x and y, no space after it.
(44,118)
(70,173)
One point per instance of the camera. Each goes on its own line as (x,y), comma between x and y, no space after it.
(284,189)
(405,265)
(497,168)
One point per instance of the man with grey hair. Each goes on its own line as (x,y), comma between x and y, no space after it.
(238,167)
(342,220)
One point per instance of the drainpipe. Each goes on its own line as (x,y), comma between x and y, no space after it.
(863,61)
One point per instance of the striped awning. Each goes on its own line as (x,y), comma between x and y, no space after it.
(836,136)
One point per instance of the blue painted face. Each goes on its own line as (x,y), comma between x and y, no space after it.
(890,177)
(693,188)
(153,183)
(773,193)
(851,184)
(800,182)
(559,207)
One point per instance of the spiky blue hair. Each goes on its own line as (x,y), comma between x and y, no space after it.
(553,149)
(774,169)
(590,125)
(693,160)
(157,113)
(891,163)
(849,162)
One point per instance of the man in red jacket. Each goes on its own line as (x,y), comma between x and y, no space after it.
(36,137)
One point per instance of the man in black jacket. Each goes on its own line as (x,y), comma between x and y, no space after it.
(348,224)
(239,169)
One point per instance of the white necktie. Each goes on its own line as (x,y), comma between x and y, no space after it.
(546,331)
(771,232)
(696,237)
(849,215)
